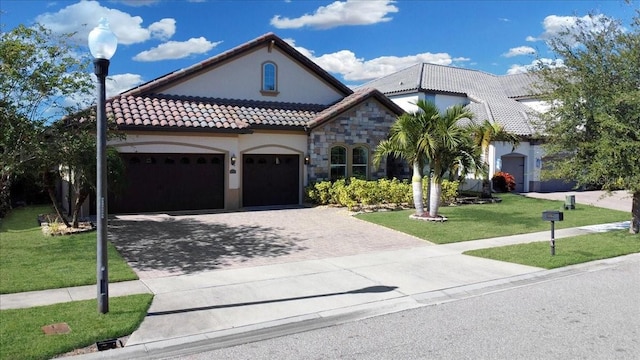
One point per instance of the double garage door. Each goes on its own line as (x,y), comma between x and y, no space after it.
(175,182)
(171,182)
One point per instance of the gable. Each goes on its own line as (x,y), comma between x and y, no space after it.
(241,78)
(237,74)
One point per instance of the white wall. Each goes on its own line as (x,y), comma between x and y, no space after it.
(242,79)
(537,105)
(406,102)
(444,101)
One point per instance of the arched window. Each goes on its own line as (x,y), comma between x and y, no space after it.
(360,162)
(269,77)
(338,163)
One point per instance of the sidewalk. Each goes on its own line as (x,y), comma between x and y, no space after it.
(229,305)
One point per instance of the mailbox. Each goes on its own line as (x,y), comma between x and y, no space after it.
(552,215)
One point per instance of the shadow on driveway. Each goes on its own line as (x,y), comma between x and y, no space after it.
(162,245)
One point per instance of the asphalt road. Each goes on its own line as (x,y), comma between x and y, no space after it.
(592,315)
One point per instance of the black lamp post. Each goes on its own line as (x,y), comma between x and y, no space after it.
(102,44)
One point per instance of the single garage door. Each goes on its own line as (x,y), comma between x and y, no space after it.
(270,180)
(514,165)
(170,182)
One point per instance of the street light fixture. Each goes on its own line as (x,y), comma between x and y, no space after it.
(102,44)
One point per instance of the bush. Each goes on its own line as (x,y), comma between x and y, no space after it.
(503,182)
(357,192)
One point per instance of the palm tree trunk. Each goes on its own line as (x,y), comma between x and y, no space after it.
(635,214)
(416,182)
(434,202)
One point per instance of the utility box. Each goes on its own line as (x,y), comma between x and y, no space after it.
(570,202)
(552,215)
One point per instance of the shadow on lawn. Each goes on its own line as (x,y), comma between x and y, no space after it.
(188,245)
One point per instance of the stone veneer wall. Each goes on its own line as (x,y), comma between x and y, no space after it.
(368,124)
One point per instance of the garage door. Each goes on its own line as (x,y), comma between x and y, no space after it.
(270,180)
(171,182)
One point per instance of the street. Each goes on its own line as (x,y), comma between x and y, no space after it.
(591,315)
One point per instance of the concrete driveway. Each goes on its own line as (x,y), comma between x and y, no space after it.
(616,200)
(162,245)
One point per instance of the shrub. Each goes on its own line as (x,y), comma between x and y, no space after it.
(503,182)
(354,192)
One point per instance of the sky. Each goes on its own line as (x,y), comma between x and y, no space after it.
(354,40)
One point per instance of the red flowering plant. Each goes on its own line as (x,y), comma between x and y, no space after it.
(503,182)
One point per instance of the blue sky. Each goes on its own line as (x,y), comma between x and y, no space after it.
(355,40)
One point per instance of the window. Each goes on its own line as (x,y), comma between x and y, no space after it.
(360,162)
(349,162)
(338,163)
(269,78)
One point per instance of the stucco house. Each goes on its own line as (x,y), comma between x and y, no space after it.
(249,127)
(504,99)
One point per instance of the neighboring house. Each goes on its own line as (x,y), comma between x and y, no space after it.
(249,127)
(505,99)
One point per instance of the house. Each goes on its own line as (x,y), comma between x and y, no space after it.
(504,99)
(249,127)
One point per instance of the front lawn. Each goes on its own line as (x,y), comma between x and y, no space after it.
(31,261)
(516,214)
(21,335)
(569,251)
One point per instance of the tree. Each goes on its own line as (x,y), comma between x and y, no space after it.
(403,141)
(592,128)
(39,73)
(483,135)
(428,137)
(445,143)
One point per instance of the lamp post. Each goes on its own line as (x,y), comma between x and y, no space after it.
(102,44)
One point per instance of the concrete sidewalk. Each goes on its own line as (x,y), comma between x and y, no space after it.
(229,305)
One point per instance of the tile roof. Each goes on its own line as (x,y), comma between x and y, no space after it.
(491,96)
(182,113)
(350,101)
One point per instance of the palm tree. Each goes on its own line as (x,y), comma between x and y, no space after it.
(428,137)
(483,135)
(445,144)
(404,137)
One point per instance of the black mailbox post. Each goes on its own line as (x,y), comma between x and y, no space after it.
(553,216)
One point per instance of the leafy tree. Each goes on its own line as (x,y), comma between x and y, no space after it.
(593,124)
(483,135)
(428,136)
(39,73)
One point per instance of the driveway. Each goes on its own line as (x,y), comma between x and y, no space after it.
(616,200)
(161,245)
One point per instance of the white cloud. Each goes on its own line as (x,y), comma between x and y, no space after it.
(340,13)
(555,25)
(163,29)
(83,16)
(116,84)
(520,50)
(352,68)
(177,49)
(552,63)
(139,2)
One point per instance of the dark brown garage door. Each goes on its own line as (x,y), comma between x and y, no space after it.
(270,180)
(171,182)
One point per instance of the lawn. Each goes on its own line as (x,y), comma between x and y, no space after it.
(31,261)
(516,214)
(569,251)
(21,335)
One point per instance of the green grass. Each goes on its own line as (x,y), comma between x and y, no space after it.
(516,214)
(21,335)
(569,251)
(31,261)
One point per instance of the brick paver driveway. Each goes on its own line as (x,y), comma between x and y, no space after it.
(164,245)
